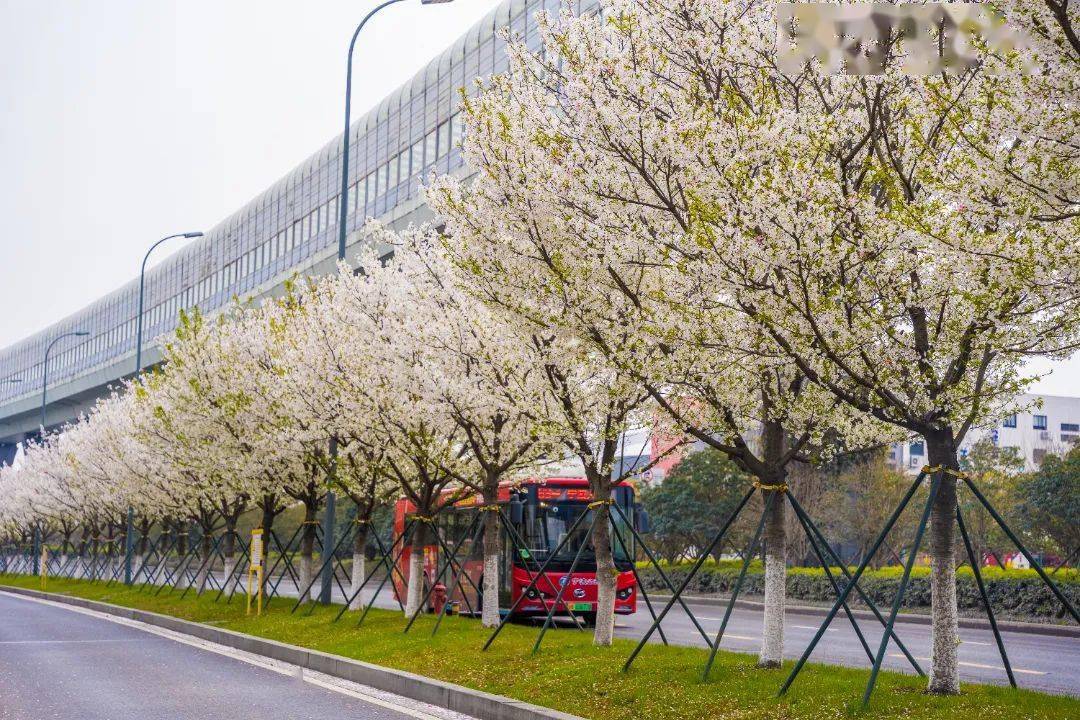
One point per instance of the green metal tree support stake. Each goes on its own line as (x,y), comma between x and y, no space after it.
(236,573)
(747,559)
(982,592)
(522,552)
(384,560)
(633,569)
(37,550)
(663,578)
(824,545)
(532,584)
(473,532)
(853,582)
(453,560)
(284,559)
(321,573)
(406,536)
(899,599)
(689,576)
(835,586)
(1023,550)
(129,545)
(562,588)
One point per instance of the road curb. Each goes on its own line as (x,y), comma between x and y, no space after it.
(481,705)
(910,618)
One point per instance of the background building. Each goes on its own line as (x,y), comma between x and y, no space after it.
(1051,425)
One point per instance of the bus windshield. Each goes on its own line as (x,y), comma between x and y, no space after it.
(550,526)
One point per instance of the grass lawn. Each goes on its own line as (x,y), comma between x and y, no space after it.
(571,675)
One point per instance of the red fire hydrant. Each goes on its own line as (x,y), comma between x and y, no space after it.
(438,598)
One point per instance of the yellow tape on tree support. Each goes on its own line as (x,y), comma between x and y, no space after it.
(600,503)
(782,487)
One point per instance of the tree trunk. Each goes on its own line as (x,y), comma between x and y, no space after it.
(307,548)
(359,567)
(415,592)
(775,546)
(181,553)
(268,516)
(141,550)
(944,672)
(606,572)
(492,550)
(205,562)
(228,551)
(775,534)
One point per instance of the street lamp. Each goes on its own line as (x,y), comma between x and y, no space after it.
(142,288)
(343,211)
(128,536)
(45,370)
(343,214)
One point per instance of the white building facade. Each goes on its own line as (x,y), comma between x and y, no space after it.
(1051,426)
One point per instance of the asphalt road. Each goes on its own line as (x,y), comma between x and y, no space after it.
(1040,662)
(60,663)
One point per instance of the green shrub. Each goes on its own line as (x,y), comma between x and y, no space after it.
(1011,592)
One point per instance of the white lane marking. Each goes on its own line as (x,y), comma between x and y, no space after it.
(981,666)
(63,642)
(812,627)
(975,642)
(329,682)
(738,637)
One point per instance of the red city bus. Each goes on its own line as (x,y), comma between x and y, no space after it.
(541,512)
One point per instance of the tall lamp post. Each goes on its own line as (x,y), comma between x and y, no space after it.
(45,369)
(142,290)
(343,214)
(129,538)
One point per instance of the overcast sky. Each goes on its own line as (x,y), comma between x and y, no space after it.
(122,121)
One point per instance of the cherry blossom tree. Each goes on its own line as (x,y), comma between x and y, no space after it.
(480,373)
(898,243)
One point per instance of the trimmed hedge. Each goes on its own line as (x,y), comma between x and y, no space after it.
(1017,593)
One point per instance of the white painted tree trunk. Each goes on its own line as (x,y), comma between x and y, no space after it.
(606,579)
(359,572)
(306,577)
(180,574)
(772,639)
(230,563)
(204,573)
(415,592)
(489,614)
(944,667)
